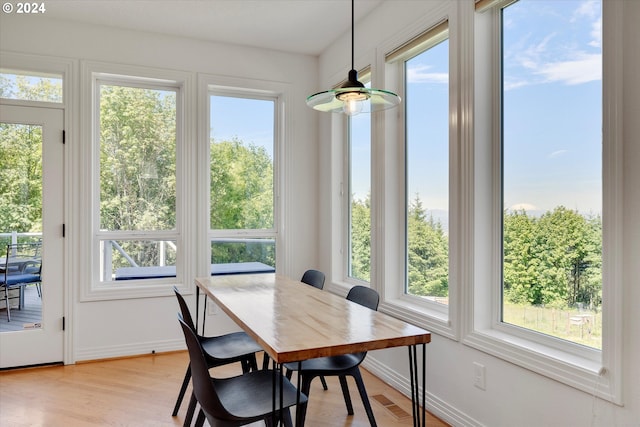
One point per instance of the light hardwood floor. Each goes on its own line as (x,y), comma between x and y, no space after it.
(141,391)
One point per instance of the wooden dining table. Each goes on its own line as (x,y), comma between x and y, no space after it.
(294,322)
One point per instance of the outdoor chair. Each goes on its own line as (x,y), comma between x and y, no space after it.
(340,366)
(218,351)
(240,400)
(21,266)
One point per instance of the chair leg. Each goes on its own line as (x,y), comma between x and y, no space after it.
(249,364)
(273,421)
(265,361)
(6,298)
(200,419)
(191,410)
(364,397)
(345,394)
(305,388)
(183,389)
(324,383)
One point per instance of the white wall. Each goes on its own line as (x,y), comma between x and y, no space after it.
(514,396)
(122,327)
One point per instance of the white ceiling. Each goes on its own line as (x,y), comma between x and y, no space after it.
(298,26)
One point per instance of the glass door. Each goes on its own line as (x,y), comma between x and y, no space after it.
(31,217)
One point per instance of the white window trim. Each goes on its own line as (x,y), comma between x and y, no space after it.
(592,371)
(388,157)
(239,87)
(93,289)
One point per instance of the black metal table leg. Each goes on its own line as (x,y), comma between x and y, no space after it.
(415,386)
(277,376)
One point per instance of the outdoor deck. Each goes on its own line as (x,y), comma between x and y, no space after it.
(23,319)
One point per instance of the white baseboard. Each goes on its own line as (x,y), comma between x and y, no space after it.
(435,405)
(98,353)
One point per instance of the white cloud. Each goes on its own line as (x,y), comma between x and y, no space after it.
(419,75)
(583,69)
(523,206)
(557,153)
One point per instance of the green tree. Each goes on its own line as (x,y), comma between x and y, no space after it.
(241,186)
(137,159)
(361,238)
(241,198)
(428,254)
(555,259)
(21,177)
(521,261)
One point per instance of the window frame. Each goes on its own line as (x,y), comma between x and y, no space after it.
(364,76)
(591,370)
(92,75)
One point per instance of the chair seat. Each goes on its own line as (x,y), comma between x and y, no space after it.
(19,279)
(232,393)
(231,346)
(329,364)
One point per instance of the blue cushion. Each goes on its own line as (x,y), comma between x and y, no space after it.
(16,279)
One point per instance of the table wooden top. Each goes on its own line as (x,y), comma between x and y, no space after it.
(293,321)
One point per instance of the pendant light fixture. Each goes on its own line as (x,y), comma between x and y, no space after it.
(353,97)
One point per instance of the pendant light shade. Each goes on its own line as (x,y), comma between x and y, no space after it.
(352,97)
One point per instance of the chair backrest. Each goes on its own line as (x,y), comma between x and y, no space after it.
(22,263)
(202,386)
(184,309)
(314,278)
(364,296)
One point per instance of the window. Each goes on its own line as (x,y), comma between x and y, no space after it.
(547,169)
(359,205)
(425,64)
(421,252)
(552,169)
(137,138)
(427,171)
(242,175)
(28,86)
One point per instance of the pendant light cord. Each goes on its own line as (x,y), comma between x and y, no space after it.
(353,45)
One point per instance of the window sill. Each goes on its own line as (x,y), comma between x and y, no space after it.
(432,319)
(582,373)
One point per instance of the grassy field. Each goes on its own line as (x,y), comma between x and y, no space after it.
(582,327)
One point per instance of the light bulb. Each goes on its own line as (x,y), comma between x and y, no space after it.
(352,107)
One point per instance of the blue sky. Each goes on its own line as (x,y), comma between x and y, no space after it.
(553,115)
(552,98)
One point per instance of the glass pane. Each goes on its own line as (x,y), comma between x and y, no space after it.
(243,250)
(20,221)
(360,196)
(552,168)
(427,106)
(137,259)
(242,167)
(30,87)
(137,158)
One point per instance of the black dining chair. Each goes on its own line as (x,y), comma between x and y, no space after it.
(218,350)
(314,278)
(239,400)
(340,366)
